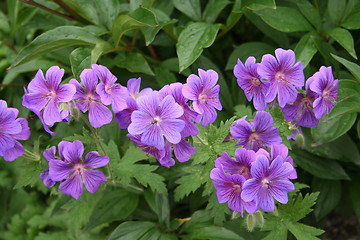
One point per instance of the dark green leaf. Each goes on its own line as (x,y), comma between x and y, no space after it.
(80,59)
(306,49)
(98,50)
(352,67)
(55,39)
(159,203)
(84,9)
(107,10)
(285,19)
(342,149)
(352,22)
(131,230)
(245,50)
(329,130)
(140,17)
(133,61)
(354,190)
(310,12)
(192,40)
(319,167)
(164,76)
(189,183)
(213,9)
(215,233)
(345,39)
(190,8)
(336,10)
(329,197)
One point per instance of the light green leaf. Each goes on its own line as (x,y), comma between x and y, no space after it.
(285,19)
(306,49)
(352,67)
(98,50)
(133,61)
(140,17)
(345,39)
(329,197)
(189,183)
(190,8)
(259,4)
(192,40)
(318,166)
(329,130)
(213,9)
(60,37)
(245,50)
(80,59)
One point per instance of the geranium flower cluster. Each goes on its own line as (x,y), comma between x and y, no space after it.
(12,129)
(71,171)
(281,77)
(157,121)
(260,171)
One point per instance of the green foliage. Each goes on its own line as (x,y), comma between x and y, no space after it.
(287,218)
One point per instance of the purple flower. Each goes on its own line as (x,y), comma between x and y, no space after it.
(325,86)
(183,150)
(49,155)
(302,109)
(241,165)
(73,172)
(109,91)
(283,151)
(259,134)
(124,117)
(89,100)
(268,182)
(43,95)
(204,93)
(284,76)
(175,90)
(156,119)
(11,130)
(229,188)
(249,80)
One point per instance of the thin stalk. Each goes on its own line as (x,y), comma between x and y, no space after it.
(33,3)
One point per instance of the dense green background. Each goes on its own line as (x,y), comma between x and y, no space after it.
(163,42)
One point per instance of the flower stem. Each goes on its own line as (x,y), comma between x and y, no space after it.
(31,156)
(201,141)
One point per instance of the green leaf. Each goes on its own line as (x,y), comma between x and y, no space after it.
(306,48)
(164,76)
(159,203)
(358,128)
(192,40)
(354,190)
(215,233)
(189,183)
(131,230)
(336,10)
(318,166)
(29,172)
(113,206)
(213,9)
(352,67)
(345,39)
(245,50)
(259,4)
(287,219)
(190,8)
(163,19)
(282,125)
(133,62)
(342,149)
(140,17)
(217,211)
(329,197)
(352,22)
(128,168)
(329,130)
(310,12)
(107,10)
(242,110)
(98,50)
(60,37)
(285,19)
(80,59)
(84,9)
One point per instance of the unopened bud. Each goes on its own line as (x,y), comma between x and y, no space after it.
(300,140)
(250,222)
(259,218)
(235,215)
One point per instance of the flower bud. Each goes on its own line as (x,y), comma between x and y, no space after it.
(259,218)
(250,222)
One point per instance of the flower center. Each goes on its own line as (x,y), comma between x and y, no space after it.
(265,182)
(78,168)
(202,97)
(236,188)
(156,120)
(51,94)
(244,171)
(279,76)
(108,89)
(255,82)
(89,98)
